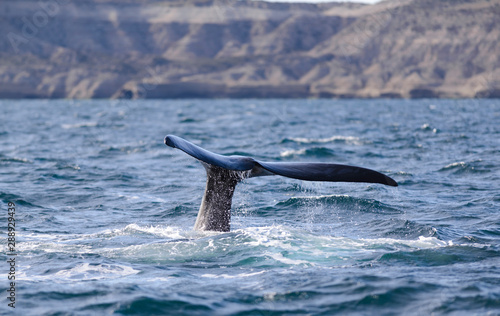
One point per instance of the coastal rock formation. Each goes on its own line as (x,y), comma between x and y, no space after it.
(230,48)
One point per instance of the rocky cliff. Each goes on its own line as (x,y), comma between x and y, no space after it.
(229,48)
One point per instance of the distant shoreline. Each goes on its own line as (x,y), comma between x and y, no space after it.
(139,49)
(247,98)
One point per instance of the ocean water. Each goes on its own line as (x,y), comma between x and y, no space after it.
(104,211)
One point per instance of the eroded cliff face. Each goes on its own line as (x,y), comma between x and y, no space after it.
(217,48)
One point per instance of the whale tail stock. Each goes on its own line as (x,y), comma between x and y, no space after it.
(224,173)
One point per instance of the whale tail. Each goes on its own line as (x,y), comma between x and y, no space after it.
(224,173)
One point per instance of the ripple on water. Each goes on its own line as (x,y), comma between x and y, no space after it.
(461,167)
(314,152)
(353,140)
(105,210)
(340,201)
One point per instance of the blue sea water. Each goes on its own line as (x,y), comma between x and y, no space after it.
(105,211)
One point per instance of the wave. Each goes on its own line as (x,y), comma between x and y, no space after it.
(342,201)
(309,152)
(17,199)
(81,272)
(430,257)
(15,159)
(134,229)
(428,128)
(352,140)
(256,247)
(267,247)
(462,167)
(79,125)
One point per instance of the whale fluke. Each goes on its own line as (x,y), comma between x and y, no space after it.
(224,173)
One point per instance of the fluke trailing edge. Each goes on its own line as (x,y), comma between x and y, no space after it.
(224,173)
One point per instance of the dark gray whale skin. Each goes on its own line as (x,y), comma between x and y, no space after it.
(224,173)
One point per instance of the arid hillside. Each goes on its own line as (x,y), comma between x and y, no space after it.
(229,48)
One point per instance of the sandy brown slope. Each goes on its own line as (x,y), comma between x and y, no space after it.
(228,48)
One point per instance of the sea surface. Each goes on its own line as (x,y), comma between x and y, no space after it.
(104,211)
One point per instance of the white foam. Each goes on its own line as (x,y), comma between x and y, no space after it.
(16,159)
(280,258)
(291,152)
(86,271)
(53,247)
(421,243)
(456,164)
(227,276)
(316,247)
(271,236)
(147,198)
(82,272)
(348,139)
(319,197)
(131,229)
(79,125)
(279,243)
